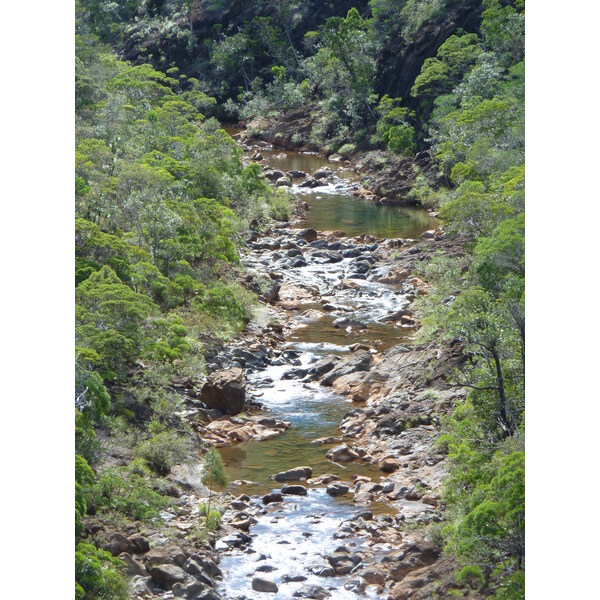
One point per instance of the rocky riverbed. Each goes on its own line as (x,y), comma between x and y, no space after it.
(326,414)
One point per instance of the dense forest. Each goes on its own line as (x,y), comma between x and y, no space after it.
(165,204)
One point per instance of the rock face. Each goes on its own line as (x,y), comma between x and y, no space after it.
(361,360)
(225,391)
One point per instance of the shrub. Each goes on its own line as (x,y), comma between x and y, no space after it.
(346,150)
(126,493)
(162,451)
(470,575)
(280,206)
(97,574)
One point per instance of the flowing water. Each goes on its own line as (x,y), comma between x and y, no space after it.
(293,537)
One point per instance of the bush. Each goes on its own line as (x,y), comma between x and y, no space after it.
(346,150)
(97,574)
(220,301)
(470,575)
(280,206)
(126,493)
(162,451)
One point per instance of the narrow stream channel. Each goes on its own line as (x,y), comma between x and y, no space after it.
(292,538)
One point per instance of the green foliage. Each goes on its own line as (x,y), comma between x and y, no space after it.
(127,493)
(470,575)
(454,58)
(213,469)
(163,450)
(98,574)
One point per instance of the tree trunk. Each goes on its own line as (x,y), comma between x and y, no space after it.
(502,396)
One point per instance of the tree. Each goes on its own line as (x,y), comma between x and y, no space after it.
(476,320)
(213,472)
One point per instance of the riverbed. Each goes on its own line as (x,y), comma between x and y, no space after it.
(291,539)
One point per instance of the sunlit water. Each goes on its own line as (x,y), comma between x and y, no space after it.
(294,536)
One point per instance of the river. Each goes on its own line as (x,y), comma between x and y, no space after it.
(292,538)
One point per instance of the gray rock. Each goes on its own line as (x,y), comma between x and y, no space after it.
(166,575)
(337,489)
(225,391)
(309,234)
(342,453)
(294,490)
(272,497)
(312,591)
(264,585)
(297,474)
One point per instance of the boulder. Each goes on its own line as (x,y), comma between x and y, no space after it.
(116,544)
(358,361)
(138,544)
(343,322)
(132,566)
(312,591)
(323,172)
(294,490)
(342,453)
(272,497)
(225,391)
(337,489)
(297,474)
(165,555)
(166,575)
(264,585)
(273,174)
(342,562)
(308,234)
(389,465)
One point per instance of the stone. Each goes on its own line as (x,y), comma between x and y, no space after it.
(342,453)
(272,497)
(166,575)
(297,474)
(133,567)
(308,234)
(293,578)
(295,174)
(343,322)
(193,568)
(116,544)
(357,362)
(294,490)
(225,391)
(207,565)
(138,544)
(273,174)
(342,562)
(337,489)
(312,591)
(373,575)
(165,555)
(389,465)
(264,585)
(323,172)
